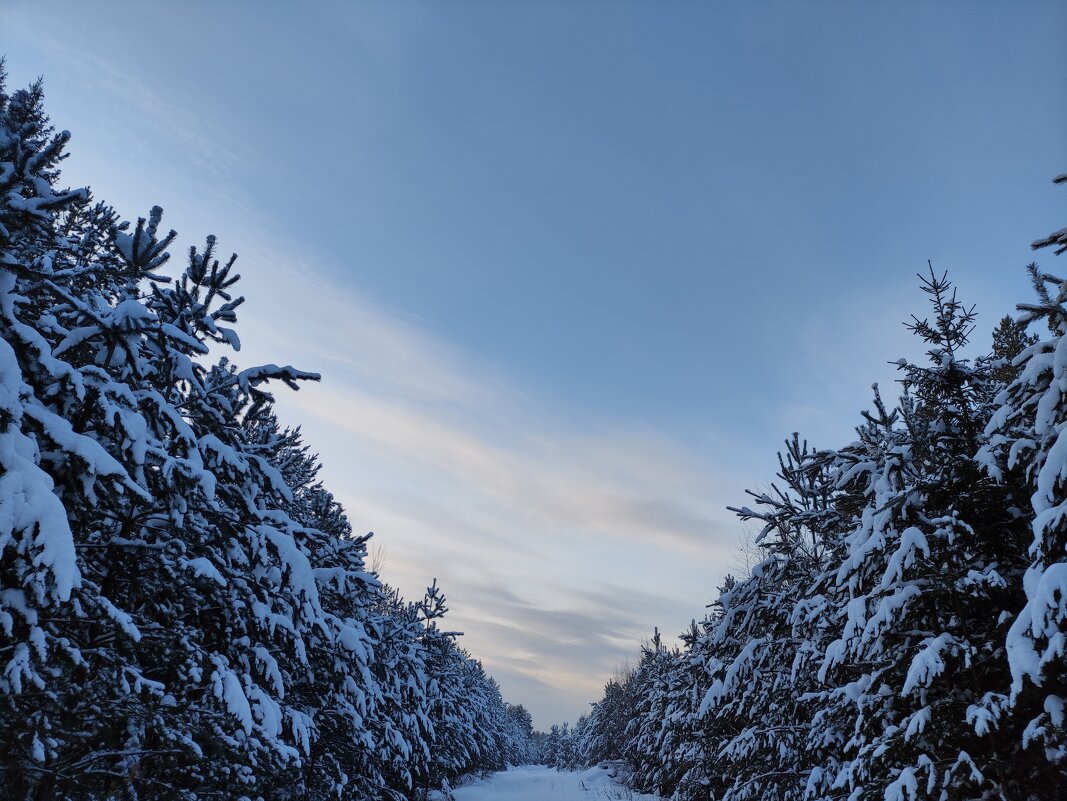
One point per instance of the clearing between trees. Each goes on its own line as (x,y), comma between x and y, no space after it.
(540,783)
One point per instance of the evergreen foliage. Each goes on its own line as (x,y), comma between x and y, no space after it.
(185,612)
(904,636)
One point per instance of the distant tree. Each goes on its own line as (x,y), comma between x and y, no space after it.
(522,718)
(1009,340)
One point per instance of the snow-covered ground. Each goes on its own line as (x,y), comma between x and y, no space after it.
(538,783)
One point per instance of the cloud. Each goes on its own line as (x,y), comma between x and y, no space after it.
(119,91)
(561,537)
(572,649)
(559,487)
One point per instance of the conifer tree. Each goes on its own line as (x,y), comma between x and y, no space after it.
(605,736)
(1009,340)
(653,728)
(762,649)
(184,610)
(929,577)
(1026,438)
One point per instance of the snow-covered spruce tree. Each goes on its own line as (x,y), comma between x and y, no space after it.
(863,657)
(550,744)
(660,719)
(1027,440)
(183,610)
(523,750)
(680,742)
(338,693)
(647,719)
(75,442)
(470,722)
(160,519)
(1010,338)
(43,231)
(439,715)
(760,653)
(569,756)
(928,582)
(399,732)
(562,745)
(604,737)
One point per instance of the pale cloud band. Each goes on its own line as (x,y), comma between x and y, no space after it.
(560,541)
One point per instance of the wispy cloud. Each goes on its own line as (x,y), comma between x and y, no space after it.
(561,537)
(573,650)
(202,144)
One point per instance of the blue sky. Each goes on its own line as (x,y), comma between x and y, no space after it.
(571,271)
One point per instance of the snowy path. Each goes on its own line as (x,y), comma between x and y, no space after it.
(537,783)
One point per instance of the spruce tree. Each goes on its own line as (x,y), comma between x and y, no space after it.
(1009,340)
(759,707)
(929,579)
(1026,439)
(184,609)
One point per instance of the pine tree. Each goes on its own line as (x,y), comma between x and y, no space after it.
(60,479)
(605,736)
(653,731)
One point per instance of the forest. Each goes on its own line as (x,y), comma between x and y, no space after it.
(903,634)
(186,612)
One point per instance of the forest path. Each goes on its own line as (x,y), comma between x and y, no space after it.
(538,783)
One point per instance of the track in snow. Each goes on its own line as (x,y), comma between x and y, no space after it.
(538,783)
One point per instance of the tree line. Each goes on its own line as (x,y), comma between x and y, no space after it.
(185,611)
(904,635)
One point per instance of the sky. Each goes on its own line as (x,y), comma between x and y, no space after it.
(571,272)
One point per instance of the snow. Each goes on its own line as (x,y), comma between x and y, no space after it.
(904,788)
(1046,605)
(227,688)
(928,663)
(538,783)
(201,566)
(301,575)
(911,540)
(1052,471)
(1054,706)
(29,504)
